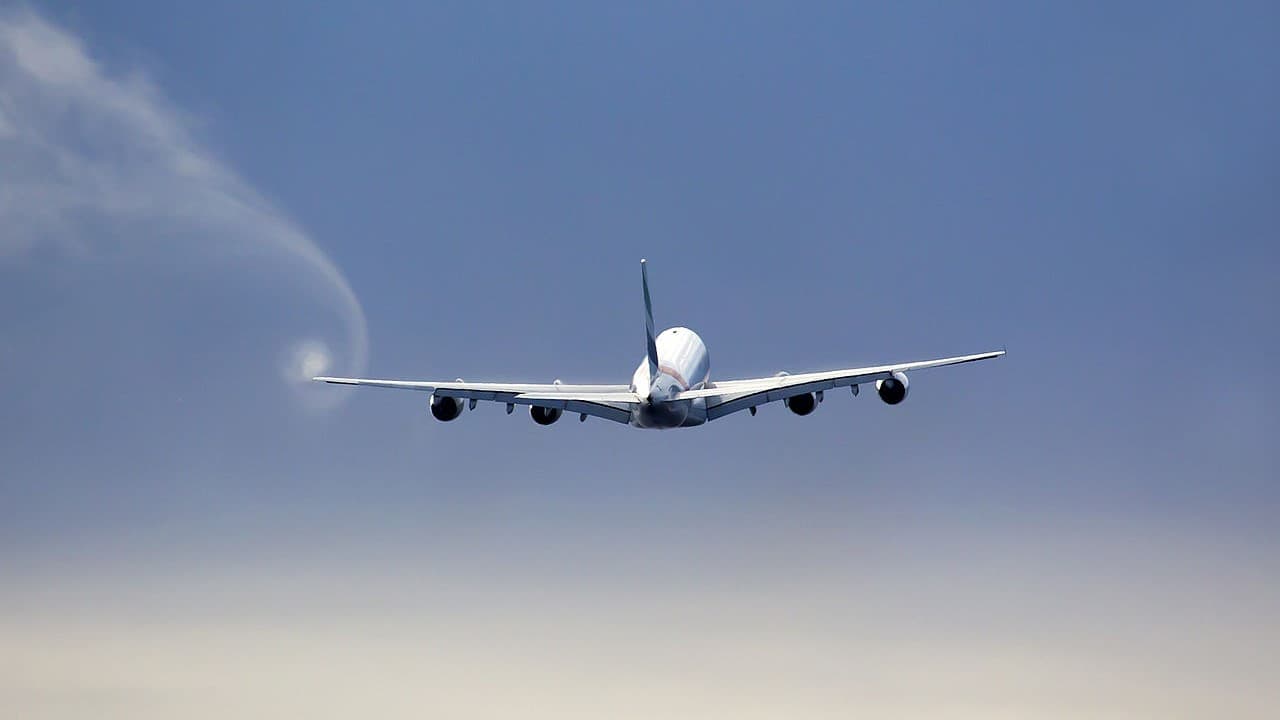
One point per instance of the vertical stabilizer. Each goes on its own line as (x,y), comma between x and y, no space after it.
(649,334)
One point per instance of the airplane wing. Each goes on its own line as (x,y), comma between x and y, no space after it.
(730,396)
(612,402)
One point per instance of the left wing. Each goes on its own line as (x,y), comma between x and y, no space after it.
(734,395)
(612,402)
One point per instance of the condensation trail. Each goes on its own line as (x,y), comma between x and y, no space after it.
(81,147)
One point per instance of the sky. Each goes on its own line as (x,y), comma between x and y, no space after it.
(203,204)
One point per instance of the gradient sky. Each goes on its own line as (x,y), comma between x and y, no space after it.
(200,204)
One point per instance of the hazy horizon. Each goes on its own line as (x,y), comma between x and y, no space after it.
(202,206)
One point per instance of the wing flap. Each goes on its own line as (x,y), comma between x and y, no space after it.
(597,406)
(476,390)
(606,397)
(394,384)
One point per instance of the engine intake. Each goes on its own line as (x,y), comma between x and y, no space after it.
(445,409)
(893,390)
(802,404)
(544,415)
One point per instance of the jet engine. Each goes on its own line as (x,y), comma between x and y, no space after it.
(802,404)
(445,409)
(893,390)
(543,415)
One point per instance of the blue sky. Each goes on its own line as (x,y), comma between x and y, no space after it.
(194,198)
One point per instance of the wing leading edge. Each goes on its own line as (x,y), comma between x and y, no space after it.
(731,396)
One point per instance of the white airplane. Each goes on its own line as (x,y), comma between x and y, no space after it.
(671,388)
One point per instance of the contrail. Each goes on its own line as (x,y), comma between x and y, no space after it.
(83,148)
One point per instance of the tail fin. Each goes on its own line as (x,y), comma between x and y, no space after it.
(652,343)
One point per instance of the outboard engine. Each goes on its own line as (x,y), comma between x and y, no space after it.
(801,404)
(445,409)
(544,416)
(893,390)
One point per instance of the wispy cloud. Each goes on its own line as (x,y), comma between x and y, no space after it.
(91,156)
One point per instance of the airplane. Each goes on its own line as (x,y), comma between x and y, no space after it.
(672,387)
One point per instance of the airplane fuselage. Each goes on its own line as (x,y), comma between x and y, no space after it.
(683,364)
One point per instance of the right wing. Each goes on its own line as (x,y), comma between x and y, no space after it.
(612,402)
(734,395)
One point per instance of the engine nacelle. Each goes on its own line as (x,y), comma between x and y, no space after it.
(544,416)
(445,409)
(801,404)
(893,390)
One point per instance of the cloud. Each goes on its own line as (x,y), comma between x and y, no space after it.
(93,160)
